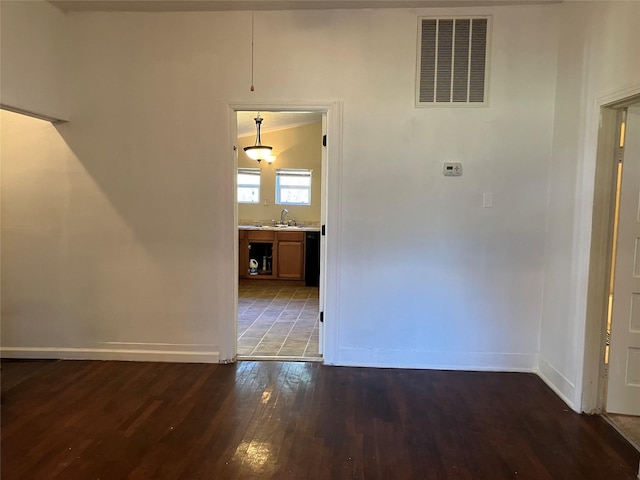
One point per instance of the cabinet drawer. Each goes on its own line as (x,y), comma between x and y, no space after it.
(291,236)
(260,235)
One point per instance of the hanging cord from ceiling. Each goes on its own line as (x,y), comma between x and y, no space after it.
(252,87)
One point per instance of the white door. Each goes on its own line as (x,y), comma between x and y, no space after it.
(623,388)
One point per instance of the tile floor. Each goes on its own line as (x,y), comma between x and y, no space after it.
(277,321)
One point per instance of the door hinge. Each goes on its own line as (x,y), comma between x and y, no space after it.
(322,317)
(323,232)
(324,140)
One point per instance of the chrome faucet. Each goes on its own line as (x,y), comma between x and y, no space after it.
(282,214)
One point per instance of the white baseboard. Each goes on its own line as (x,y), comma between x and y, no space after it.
(121,351)
(560,384)
(474,361)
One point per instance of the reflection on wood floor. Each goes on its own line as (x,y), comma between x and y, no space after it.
(277,321)
(296,420)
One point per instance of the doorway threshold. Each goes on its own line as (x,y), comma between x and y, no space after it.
(279,358)
(627,425)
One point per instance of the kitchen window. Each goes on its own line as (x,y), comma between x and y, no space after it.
(248,185)
(293,186)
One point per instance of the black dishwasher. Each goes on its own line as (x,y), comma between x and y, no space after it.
(312,260)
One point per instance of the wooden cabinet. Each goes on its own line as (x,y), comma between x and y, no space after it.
(280,255)
(291,255)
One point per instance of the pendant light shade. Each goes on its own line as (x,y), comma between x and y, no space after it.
(258,151)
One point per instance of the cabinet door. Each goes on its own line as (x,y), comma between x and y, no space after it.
(243,255)
(291,260)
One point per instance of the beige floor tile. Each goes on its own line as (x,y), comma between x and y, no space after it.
(292,352)
(278,321)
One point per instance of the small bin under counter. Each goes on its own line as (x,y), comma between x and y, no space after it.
(261,247)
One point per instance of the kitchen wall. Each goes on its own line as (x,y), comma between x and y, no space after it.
(297,147)
(423,275)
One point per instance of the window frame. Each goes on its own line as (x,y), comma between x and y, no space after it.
(248,171)
(293,172)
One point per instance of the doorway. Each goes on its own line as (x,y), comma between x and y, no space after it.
(619,189)
(622,354)
(280,207)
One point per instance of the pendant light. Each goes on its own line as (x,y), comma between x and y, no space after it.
(258,151)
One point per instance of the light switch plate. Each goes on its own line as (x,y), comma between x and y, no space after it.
(452,169)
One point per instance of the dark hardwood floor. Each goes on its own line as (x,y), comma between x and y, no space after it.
(254,420)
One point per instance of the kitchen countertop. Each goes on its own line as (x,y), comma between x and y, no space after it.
(300,228)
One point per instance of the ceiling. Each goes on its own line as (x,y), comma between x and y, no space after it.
(222,5)
(274,121)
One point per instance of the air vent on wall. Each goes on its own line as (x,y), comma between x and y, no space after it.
(452,59)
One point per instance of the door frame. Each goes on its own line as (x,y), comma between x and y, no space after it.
(619,396)
(330,212)
(593,395)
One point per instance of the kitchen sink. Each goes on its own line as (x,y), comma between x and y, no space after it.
(271,227)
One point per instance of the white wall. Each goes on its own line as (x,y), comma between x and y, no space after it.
(76,281)
(33,57)
(599,57)
(427,277)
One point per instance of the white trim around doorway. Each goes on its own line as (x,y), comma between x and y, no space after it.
(331,218)
(589,388)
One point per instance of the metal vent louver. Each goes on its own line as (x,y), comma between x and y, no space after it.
(452,61)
